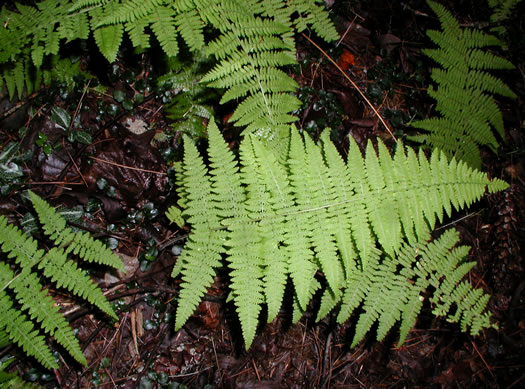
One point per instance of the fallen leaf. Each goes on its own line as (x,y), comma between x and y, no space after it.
(346,60)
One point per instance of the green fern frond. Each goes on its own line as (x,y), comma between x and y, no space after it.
(190,25)
(201,255)
(41,308)
(81,244)
(255,40)
(66,274)
(308,212)
(83,4)
(23,76)
(163,25)
(313,13)
(468,112)
(394,288)
(30,263)
(137,34)
(24,250)
(21,331)
(132,10)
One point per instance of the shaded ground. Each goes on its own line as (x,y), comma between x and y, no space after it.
(122,184)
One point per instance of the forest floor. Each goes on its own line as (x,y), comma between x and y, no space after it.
(380,50)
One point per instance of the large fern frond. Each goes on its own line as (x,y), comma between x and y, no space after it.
(312,213)
(468,112)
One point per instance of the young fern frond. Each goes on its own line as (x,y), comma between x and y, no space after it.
(30,263)
(311,213)
(464,93)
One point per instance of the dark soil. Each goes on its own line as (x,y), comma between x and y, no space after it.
(381,52)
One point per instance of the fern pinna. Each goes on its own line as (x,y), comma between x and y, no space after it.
(253,40)
(25,305)
(309,213)
(464,93)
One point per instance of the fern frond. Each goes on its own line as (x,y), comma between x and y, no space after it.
(468,112)
(308,212)
(42,309)
(107,37)
(163,25)
(202,253)
(82,4)
(128,11)
(29,293)
(137,34)
(24,250)
(66,274)
(256,40)
(393,289)
(190,25)
(21,331)
(52,223)
(313,13)
(81,244)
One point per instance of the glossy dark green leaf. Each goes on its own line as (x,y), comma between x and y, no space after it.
(60,117)
(119,96)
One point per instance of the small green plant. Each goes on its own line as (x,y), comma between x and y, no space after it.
(26,309)
(11,168)
(307,213)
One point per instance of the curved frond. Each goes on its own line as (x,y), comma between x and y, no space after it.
(42,309)
(21,331)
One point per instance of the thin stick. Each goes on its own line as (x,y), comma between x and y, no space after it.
(52,183)
(77,169)
(354,85)
(127,167)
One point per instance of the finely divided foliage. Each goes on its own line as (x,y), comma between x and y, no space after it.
(357,230)
(25,305)
(254,40)
(311,213)
(468,111)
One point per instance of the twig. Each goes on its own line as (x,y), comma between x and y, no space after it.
(354,85)
(79,104)
(483,359)
(127,167)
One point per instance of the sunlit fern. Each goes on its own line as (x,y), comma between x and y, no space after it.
(363,225)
